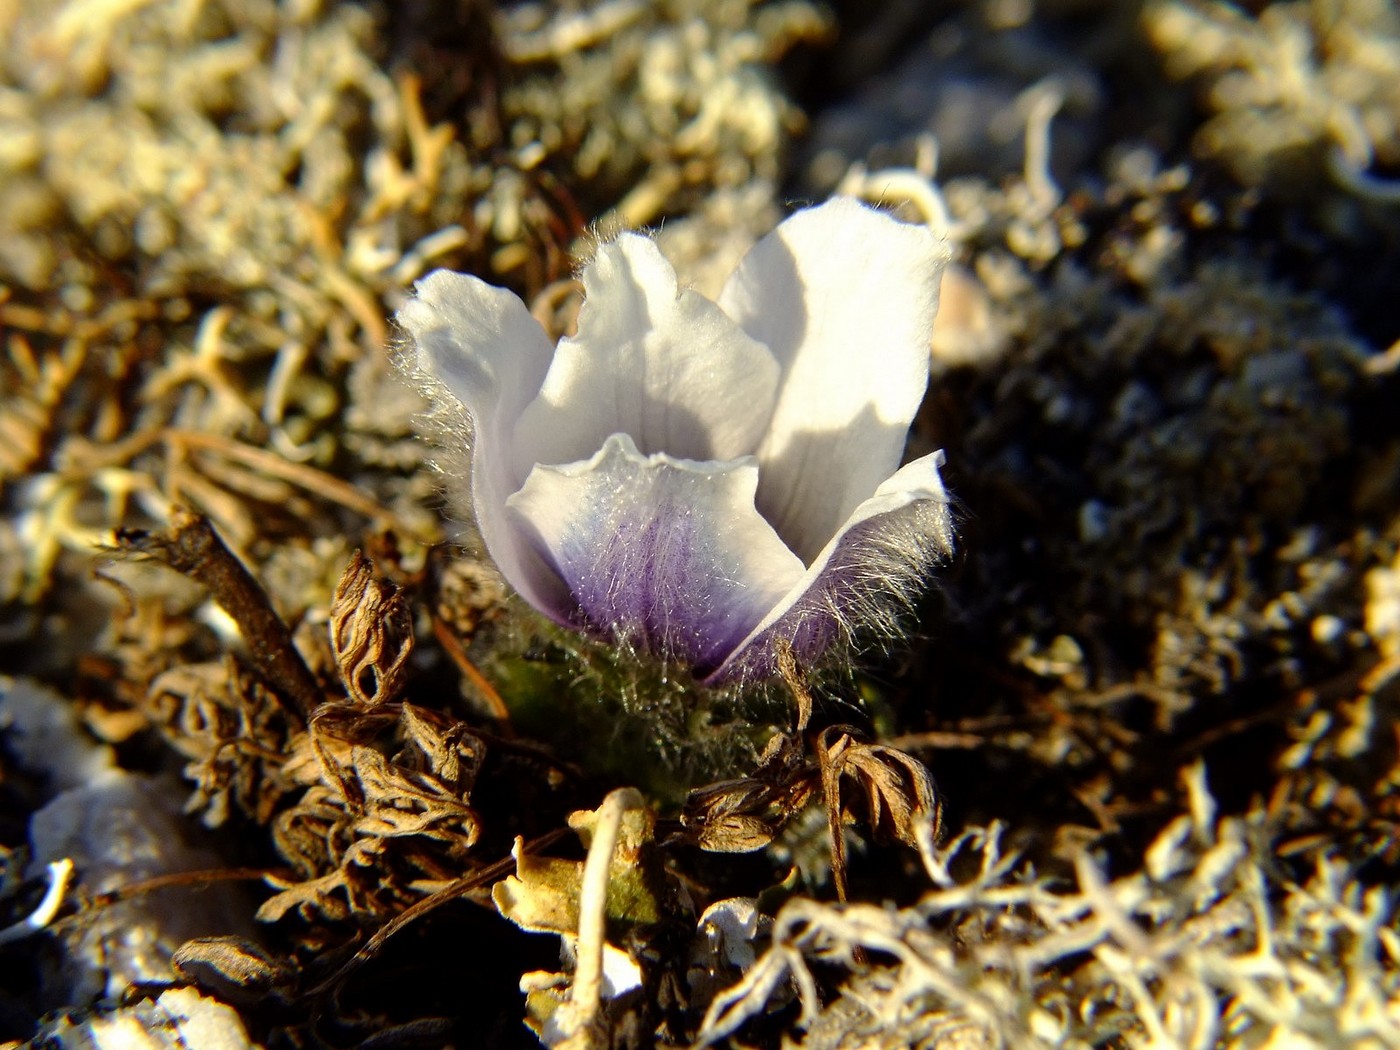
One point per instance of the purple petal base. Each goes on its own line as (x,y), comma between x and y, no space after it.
(667,555)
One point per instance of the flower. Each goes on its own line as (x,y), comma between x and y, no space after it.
(699,479)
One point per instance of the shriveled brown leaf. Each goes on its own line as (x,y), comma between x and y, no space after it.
(745,814)
(832,745)
(736,833)
(233,968)
(436,744)
(896,794)
(899,791)
(793,678)
(234,735)
(371,631)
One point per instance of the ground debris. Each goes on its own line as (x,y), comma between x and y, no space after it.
(372,825)
(999,956)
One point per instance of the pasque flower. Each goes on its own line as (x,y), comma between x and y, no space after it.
(700,479)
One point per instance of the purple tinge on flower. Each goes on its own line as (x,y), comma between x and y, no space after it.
(700,479)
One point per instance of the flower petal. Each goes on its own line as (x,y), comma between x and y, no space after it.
(666,554)
(667,367)
(844,296)
(480,345)
(878,559)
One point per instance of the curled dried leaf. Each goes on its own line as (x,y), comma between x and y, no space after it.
(371,629)
(832,745)
(899,791)
(387,812)
(793,678)
(737,833)
(233,734)
(746,813)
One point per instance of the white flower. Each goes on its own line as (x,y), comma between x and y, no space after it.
(698,479)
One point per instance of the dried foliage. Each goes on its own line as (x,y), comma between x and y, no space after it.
(898,797)
(371,634)
(746,813)
(232,734)
(386,814)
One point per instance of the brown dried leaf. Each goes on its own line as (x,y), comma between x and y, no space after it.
(745,814)
(792,677)
(832,744)
(899,791)
(449,750)
(735,833)
(232,731)
(311,899)
(386,812)
(371,631)
(725,798)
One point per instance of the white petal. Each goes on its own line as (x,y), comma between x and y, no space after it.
(844,296)
(665,554)
(877,559)
(480,344)
(668,368)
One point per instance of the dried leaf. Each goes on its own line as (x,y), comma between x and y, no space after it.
(387,811)
(310,898)
(829,756)
(745,814)
(899,790)
(736,833)
(233,733)
(449,750)
(371,631)
(792,677)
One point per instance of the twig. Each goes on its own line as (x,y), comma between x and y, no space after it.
(499,711)
(191,546)
(417,910)
(176,878)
